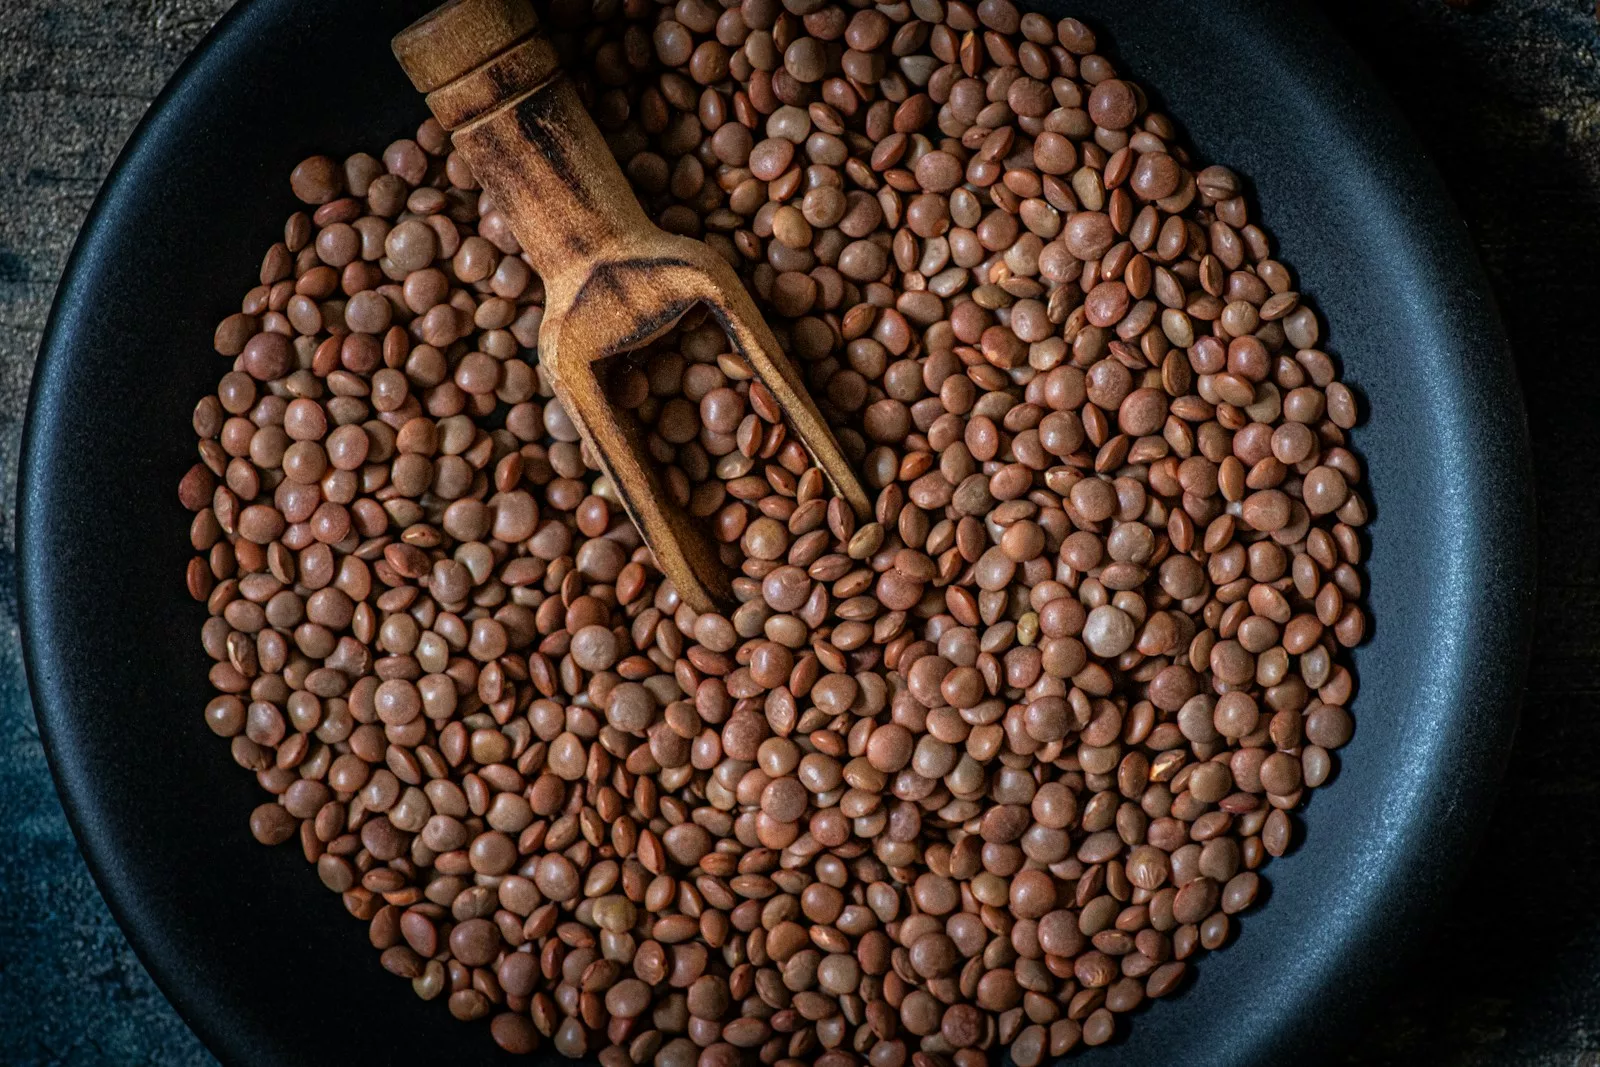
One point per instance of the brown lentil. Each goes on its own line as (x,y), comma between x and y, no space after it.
(989,767)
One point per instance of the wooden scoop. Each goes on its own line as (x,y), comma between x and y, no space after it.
(613,280)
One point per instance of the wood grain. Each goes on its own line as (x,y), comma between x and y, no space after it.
(1505,97)
(75,76)
(613,280)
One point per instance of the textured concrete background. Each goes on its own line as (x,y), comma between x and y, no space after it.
(1505,95)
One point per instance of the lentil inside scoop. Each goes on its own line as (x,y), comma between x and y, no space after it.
(983,773)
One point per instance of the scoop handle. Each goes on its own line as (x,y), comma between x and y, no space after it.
(612,279)
(495,83)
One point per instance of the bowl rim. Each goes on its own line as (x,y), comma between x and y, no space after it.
(1510,586)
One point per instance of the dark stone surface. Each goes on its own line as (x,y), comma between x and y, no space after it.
(1506,97)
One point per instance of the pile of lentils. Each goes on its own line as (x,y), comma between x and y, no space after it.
(984,770)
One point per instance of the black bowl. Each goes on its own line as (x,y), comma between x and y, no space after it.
(263,962)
